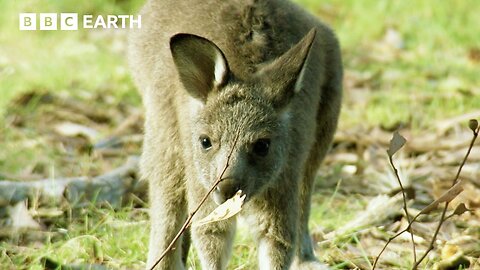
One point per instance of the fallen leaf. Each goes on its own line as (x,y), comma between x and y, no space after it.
(70,129)
(379,209)
(50,264)
(388,48)
(474,55)
(226,210)
(21,218)
(452,258)
(394,39)
(47,213)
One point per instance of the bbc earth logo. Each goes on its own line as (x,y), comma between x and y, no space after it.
(70,21)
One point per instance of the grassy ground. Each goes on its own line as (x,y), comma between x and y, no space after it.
(408,64)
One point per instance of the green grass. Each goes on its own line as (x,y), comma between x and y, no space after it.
(434,77)
(56,61)
(71,63)
(116,239)
(430,78)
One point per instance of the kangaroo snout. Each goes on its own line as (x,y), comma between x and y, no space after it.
(225,190)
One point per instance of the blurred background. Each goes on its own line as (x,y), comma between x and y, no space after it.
(69,111)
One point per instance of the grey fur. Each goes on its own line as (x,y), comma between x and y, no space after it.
(260,69)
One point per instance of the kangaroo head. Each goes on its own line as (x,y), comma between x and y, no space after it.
(250,114)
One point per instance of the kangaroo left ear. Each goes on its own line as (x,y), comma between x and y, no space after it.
(201,65)
(282,77)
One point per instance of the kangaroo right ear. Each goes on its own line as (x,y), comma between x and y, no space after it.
(201,65)
(284,75)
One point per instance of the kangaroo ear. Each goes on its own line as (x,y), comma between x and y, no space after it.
(201,65)
(283,76)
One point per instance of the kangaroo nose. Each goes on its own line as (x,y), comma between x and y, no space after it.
(225,190)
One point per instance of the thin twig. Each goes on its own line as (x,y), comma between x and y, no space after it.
(188,222)
(444,211)
(405,208)
(393,238)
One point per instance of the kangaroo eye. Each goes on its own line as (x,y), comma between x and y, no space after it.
(260,147)
(205,142)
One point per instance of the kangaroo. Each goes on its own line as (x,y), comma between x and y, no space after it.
(261,75)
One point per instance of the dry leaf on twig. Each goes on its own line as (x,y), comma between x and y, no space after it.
(226,210)
(397,142)
(449,195)
(461,208)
